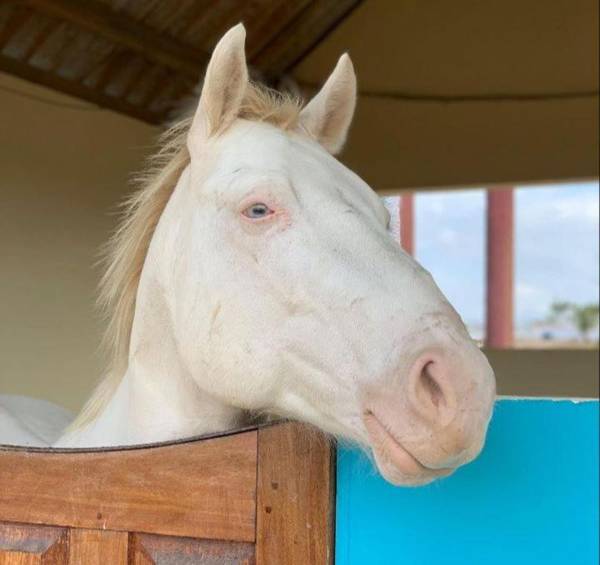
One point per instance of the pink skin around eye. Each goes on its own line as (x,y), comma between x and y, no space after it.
(277,212)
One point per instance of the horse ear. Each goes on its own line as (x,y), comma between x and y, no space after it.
(224,86)
(328,115)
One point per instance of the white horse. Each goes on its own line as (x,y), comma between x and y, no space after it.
(254,274)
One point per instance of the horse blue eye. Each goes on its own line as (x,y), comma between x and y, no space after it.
(257,211)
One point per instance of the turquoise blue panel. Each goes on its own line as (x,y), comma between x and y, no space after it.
(530,498)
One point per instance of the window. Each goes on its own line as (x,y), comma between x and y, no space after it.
(555,258)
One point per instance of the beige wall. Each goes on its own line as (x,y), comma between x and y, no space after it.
(62,172)
(556,373)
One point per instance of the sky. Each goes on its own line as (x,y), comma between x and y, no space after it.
(556,247)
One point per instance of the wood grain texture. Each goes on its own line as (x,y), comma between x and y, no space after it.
(17,18)
(149,549)
(76,89)
(97,547)
(170,35)
(118,28)
(296,41)
(21,544)
(204,488)
(295,496)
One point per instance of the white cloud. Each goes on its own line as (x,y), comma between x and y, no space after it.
(524,290)
(583,209)
(533,302)
(448,236)
(559,203)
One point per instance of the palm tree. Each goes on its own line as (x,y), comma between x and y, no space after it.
(584,317)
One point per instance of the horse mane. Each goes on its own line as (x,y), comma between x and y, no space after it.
(125,253)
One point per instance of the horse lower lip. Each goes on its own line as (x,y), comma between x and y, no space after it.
(394,451)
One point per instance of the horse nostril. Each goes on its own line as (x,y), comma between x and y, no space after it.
(431,390)
(431,386)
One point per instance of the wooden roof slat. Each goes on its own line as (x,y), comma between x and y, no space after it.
(117,81)
(50,27)
(139,11)
(115,60)
(194,16)
(134,78)
(266,25)
(303,33)
(146,85)
(165,15)
(127,32)
(39,76)
(63,52)
(168,91)
(44,55)
(206,31)
(98,66)
(76,63)
(153,87)
(95,55)
(173,37)
(16,20)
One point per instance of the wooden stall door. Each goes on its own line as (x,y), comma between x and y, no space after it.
(262,496)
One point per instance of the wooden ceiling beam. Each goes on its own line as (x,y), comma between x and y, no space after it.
(16,20)
(42,36)
(134,79)
(76,89)
(125,31)
(115,60)
(131,37)
(152,90)
(301,36)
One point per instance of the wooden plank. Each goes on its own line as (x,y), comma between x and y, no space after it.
(265,23)
(135,77)
(148,88)
(115,60)
(42,36)
(77,89)
(65,50)
(304,32)
(118,27)
(147,549)
(204,488)
(22,544)
(295,496)
(174,87)
(16,21)
(97,547)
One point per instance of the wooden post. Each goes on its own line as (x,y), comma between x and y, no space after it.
(407,222)
(295,496)
(500,267)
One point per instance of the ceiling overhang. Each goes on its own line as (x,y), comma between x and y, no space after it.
(451,93)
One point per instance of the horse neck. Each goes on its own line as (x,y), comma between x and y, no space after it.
(157,398)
